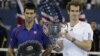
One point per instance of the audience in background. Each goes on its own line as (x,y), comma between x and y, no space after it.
(83,18)
(3,38)
(96,37)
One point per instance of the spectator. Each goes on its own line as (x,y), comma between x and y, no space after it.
(0,4)
(44,23)
(83,18)
(96,37)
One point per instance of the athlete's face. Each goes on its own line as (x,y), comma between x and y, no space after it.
(74,12)
(29,15)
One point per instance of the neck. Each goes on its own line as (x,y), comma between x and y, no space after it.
(73,22)
(29,25)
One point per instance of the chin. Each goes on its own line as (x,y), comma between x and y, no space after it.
(74,18)
(29,21)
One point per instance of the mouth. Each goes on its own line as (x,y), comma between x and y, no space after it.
(74,15)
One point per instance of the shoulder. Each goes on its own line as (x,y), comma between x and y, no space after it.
(86,27)
(85,24)
(17,29)
(38,26)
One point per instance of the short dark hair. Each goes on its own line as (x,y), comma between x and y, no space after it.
(29,6)
(75,3)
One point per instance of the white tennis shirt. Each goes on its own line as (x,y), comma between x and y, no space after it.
(81,31)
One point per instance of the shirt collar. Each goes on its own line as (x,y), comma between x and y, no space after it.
(33,27)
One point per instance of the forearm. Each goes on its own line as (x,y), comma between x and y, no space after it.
(59,46)
(47,51)
(86,45)
(11,51)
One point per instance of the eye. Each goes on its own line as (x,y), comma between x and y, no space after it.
(27,13)
(77,10)
(31,13)
(72,10)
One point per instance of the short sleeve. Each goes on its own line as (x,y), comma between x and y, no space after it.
(88,33)
(13,40)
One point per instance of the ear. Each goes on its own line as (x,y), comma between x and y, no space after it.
(35,15)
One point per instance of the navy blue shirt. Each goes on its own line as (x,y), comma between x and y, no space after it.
(21,34)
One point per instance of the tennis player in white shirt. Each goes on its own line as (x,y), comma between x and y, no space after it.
(76,36)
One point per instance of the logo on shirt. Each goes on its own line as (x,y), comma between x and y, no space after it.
(35,32)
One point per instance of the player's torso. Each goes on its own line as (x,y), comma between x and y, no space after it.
(70,48)
(33,34)
(77,31)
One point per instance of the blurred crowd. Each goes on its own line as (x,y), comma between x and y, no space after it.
(47,23)
(88,4)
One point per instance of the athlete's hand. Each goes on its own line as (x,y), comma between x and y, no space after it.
(66,35)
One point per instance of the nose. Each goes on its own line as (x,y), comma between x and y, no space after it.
(29,15)
(74,12)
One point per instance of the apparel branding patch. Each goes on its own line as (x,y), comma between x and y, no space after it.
(35,32)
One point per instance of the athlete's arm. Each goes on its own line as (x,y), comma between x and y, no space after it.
(11,51)
(85,44)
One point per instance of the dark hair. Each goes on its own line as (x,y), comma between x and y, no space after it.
(29,6)
(75,3)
